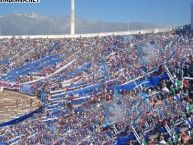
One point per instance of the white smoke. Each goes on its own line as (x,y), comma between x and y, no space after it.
(150,53)
(117,112)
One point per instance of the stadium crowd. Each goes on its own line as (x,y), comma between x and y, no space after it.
(77,78)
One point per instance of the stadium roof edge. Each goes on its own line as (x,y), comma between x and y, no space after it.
(156,30)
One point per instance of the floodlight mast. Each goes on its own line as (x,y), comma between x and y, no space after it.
(72,32)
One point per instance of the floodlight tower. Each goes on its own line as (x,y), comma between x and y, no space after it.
(72,32)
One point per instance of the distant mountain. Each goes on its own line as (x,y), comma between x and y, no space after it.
(34,24)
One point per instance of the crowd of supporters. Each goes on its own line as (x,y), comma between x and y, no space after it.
(60,70)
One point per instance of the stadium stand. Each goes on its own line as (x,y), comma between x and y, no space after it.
(115,89)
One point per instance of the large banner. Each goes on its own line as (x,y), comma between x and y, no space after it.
(20,118)
(26,89)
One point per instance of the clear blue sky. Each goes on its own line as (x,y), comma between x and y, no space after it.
(159,12)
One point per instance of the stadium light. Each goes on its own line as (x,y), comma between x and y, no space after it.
(72,32)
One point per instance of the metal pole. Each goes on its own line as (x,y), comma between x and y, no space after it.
(72,18)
